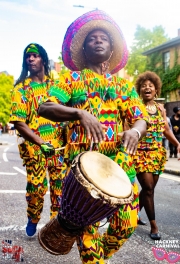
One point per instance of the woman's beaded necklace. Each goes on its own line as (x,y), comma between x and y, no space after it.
(151,108)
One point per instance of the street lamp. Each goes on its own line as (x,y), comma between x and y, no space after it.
(167,97)
(81,6)
(136,72)
(78,6)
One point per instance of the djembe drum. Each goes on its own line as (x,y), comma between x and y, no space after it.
(93,190)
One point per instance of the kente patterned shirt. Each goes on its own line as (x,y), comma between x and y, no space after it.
(25,102)
(151,155)
(109,98)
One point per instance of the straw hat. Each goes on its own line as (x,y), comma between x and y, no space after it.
(72,48)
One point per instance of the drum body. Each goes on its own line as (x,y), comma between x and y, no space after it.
(94,189)
(55,239)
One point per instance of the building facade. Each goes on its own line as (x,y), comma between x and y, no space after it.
(169,54)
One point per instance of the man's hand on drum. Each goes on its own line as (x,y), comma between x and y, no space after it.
(47,149)
(93,127)
(130,140)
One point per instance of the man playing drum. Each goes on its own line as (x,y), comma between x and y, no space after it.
(96,104)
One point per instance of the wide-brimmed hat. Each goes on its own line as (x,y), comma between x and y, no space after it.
(72,48)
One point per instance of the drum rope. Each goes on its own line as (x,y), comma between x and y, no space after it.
(105,222)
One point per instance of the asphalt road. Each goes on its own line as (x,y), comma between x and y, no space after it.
(138,249)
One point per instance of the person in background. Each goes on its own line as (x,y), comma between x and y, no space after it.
(150,157)
(1,128)
(12,130)
(8,128)
(92,99)
(175,123)
(36,134)
(165,142)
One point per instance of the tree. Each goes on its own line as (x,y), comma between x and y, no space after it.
(6,86)
(144,39)
(64,69)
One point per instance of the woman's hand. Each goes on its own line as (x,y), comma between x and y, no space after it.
(178,151)
(130,140)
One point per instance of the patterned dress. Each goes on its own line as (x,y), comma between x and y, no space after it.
(25,102)
(151,155)
(111,99)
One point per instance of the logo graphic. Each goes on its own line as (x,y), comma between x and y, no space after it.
(161,254)
(10,251)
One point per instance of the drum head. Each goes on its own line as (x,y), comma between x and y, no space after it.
(105,174)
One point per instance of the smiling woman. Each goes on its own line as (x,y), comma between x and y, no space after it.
(150,157)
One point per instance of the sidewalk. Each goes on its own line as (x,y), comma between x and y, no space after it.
(172,166)
(4,139)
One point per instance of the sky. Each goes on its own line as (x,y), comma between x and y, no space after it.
(46,21)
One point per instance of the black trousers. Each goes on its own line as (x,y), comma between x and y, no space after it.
(172,148)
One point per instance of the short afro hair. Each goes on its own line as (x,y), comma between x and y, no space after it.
(151,76)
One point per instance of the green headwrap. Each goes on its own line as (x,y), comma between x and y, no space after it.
(32,49)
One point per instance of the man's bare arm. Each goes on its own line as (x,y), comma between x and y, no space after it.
(27,133)
(60,113)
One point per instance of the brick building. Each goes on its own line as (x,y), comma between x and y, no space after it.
(170,51)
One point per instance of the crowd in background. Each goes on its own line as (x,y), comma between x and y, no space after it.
(174,124)
(8,128)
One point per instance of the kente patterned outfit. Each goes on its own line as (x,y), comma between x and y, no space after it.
(151,155)
(111,99)
(25,101)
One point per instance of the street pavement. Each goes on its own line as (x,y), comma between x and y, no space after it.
(173,166)
(138,249)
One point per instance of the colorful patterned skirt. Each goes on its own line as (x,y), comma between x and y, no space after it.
(150,161)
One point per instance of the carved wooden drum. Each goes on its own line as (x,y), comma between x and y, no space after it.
(93,190)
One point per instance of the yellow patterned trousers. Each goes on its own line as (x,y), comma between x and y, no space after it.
(37,186)
(94,248)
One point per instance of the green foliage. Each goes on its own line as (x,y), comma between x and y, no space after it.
(169,77)
(144,39)
(169,80)
(155,63)
(63,67)
(6,86)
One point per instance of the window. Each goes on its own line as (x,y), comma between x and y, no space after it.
(166,60)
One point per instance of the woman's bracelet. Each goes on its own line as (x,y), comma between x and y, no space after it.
(139,134)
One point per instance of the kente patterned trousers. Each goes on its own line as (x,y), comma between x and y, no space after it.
(94,248)
(37,186)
